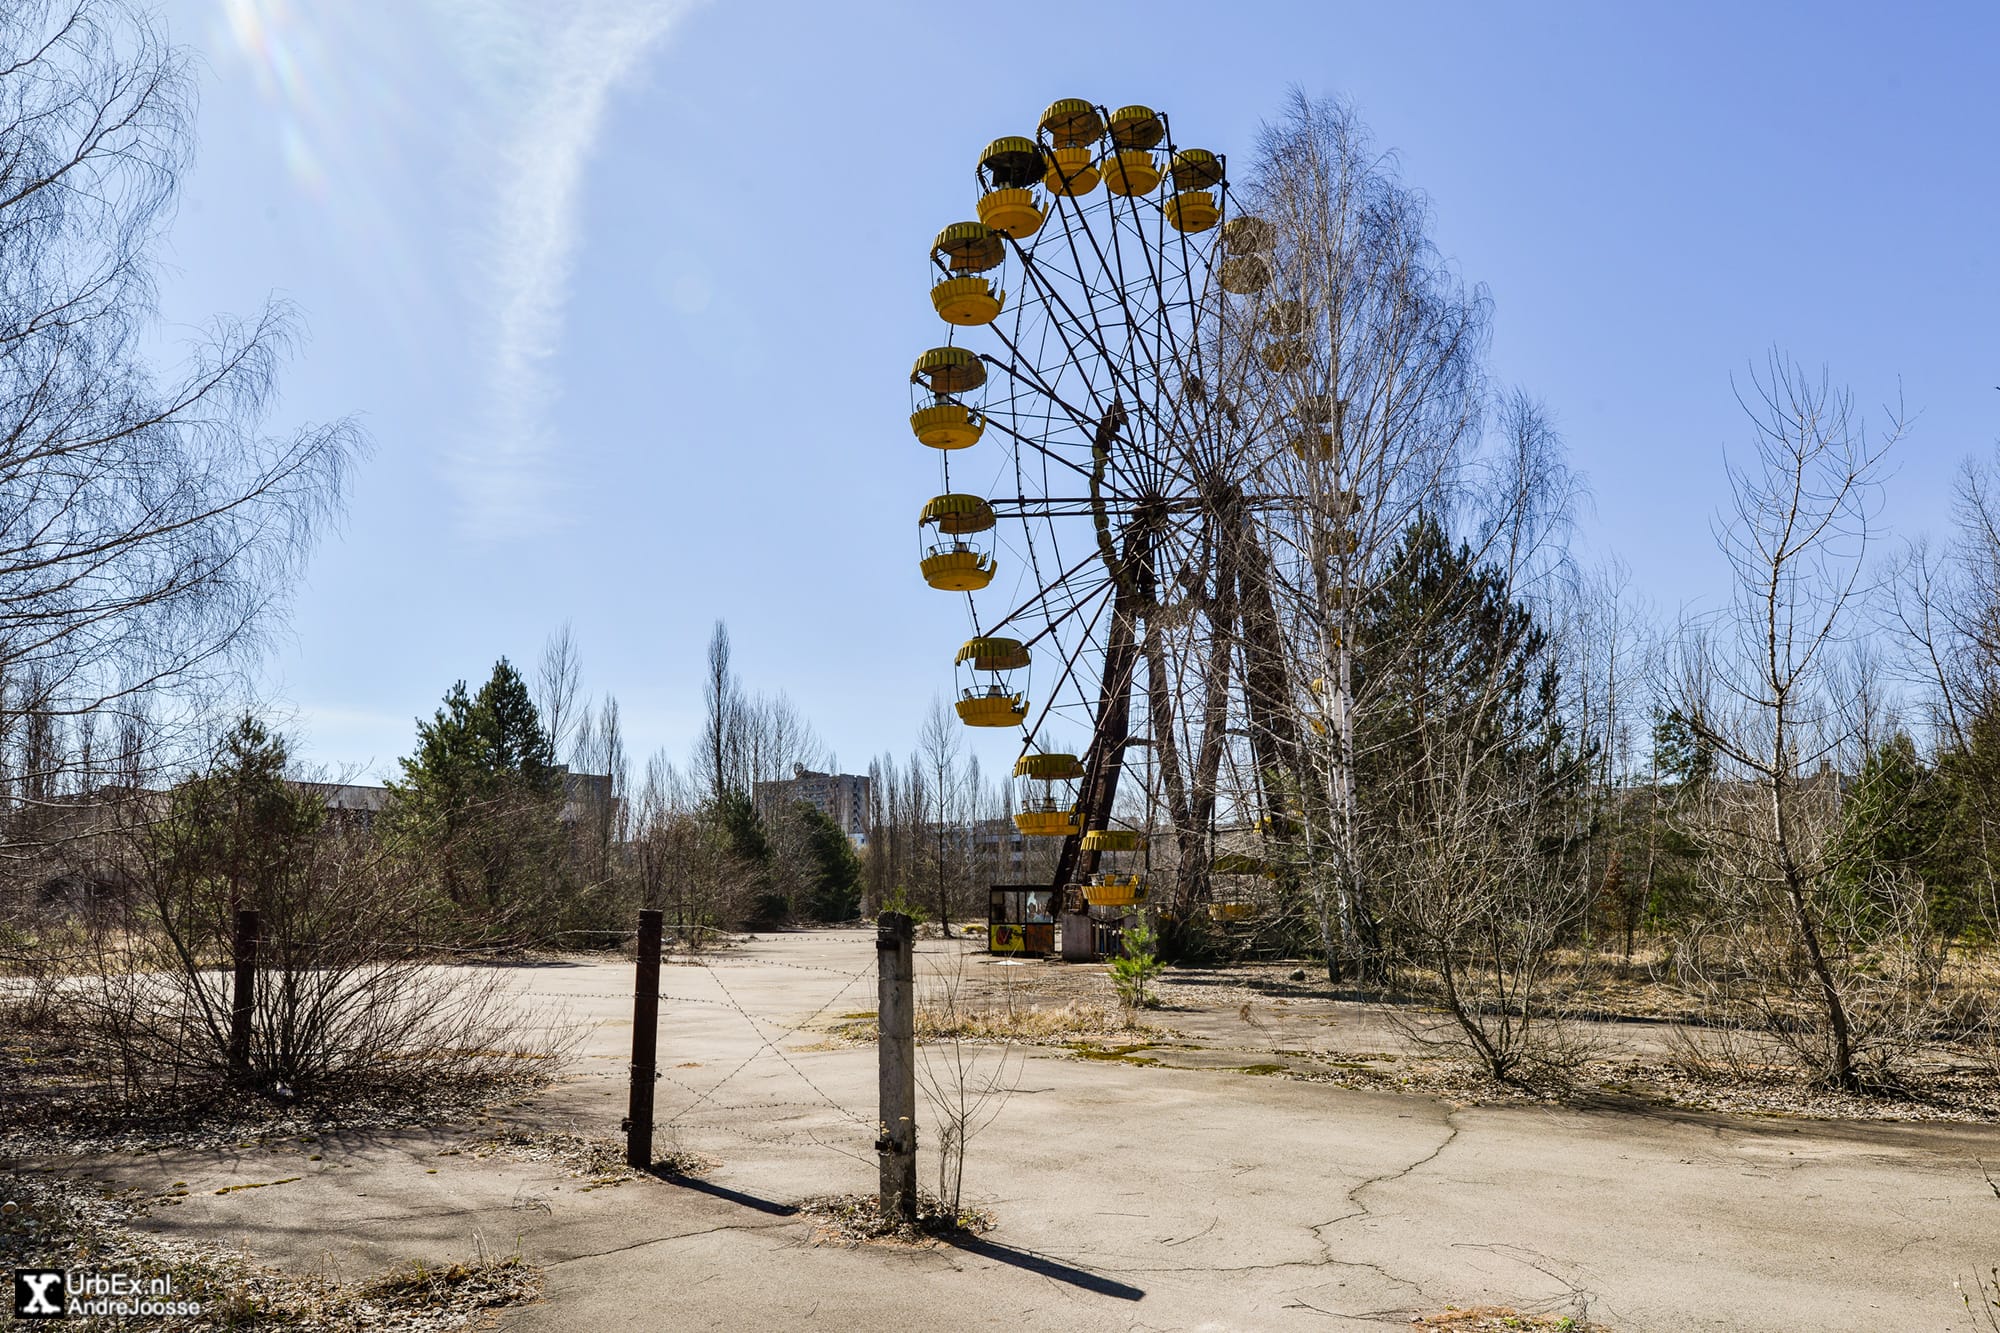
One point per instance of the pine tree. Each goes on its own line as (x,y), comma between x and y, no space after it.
(479,801)
(517,748)
(834,890)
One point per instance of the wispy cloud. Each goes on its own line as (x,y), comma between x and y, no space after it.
(548,70)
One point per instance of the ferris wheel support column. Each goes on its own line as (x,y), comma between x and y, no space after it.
(1106,758)
(1274,737)
(1192,807)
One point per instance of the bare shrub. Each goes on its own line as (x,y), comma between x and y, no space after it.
(350,1003)
(967,1082)
(1482,908)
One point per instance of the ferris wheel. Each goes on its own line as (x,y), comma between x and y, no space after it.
(1115,402)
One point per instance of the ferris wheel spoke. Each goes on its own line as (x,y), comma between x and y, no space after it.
(1116,286)
(1075,349)
(1071,660)
(1039,446)
(1049,597)
(1161,323)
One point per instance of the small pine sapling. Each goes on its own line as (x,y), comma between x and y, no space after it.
(1137,965)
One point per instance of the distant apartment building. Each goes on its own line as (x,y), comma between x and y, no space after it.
(360,806)
(841,797)
(1000,846)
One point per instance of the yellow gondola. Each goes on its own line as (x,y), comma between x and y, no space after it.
(965,250)
(1012,163)
(1111,840)
(937,415)
(1049,767)
(994,708)
(1136,127)
(1318,408)
(989,653)
(1072,122)
(948,425)
(1192,211)
(949,370)
(968,247)
(1196,169)
(1283,319)
(1115,891)
(1072,171)
(1246,235)
(958,567)
(1013,211)
(1048,815)
(967,301)
(1241,275)
(1046,820)
(1311,444)
(1130,171)
(958,515)
(998,704)
(1283,354)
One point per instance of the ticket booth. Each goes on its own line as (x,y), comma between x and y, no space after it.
(1021,919)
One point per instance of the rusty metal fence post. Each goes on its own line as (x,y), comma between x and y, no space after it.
(243,998)
(645,1043)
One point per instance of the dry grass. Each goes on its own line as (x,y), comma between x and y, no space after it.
(61,1223)
(591,1157)
(1495,1318)
(1026,1023)
(857,1219)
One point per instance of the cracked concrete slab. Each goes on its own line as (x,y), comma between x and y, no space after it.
(1126,1196)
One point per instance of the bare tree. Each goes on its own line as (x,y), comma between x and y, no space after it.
(938,748)
(1479,816)
(149,527)
(1946,616)
(597,812)
(722,719)
(557,680)
(1759,681)
(966,1082)
(349,1003)
(777,740)
(682,856)
(1375,401)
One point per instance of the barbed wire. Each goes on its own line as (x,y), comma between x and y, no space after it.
(775,1049)
(786,1139)
(675,999)
(769,1033)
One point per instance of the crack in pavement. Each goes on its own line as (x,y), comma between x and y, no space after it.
(1353,1196)
(1360,1208)
(1580,1295)
(1326,1261)
(661,1240)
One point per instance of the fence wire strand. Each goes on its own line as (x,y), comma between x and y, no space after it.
(767,1043)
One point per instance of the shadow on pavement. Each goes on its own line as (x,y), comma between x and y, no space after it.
(1026,1260)
(724,1193)
(1044,1266)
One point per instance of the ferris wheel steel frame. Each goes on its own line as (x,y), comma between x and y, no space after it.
(1107,376)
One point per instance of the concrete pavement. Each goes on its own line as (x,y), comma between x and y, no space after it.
(1126,1196)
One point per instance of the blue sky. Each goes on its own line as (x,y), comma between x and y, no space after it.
(626,291)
